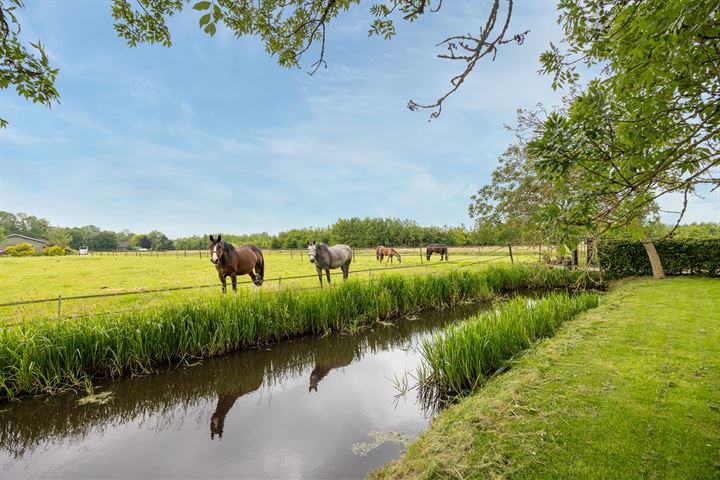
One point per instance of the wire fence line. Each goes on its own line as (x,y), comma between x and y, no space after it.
(59,299)
(292,252)
(456,264)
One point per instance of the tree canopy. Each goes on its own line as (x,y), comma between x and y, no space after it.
(649,125)
(290,30)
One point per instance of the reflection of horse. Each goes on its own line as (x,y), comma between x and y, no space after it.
(389,252)
(225,403)
(437,248)
(341,355)
(233,261)
(325,258)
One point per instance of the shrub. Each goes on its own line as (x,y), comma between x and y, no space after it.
(54,251)
(624,258)
(20,250)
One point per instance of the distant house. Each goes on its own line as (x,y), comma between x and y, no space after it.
(123,246)
(16,239)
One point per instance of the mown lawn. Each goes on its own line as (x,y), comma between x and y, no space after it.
(31,278)
(628,390)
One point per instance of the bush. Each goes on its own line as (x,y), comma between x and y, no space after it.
(624,258)
(54,251)
(21,250)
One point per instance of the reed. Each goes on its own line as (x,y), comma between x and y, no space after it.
(464,355)
(48,356)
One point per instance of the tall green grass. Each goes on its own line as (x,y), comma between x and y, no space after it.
(47,356)
(464,355)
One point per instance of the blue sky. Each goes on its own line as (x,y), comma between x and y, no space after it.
(211,135)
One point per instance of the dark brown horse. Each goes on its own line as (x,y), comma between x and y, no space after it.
(226,401)
(233,261)
(389,252)
(437,248)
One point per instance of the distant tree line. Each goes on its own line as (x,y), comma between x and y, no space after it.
(357,232)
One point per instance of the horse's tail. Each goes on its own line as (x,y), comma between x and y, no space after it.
(261,262)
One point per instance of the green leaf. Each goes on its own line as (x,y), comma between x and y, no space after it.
(201,5)
(205,19)
(211,29)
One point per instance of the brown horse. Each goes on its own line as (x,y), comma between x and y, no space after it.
(377,253)
(389,252)
(437,248)
(233,261)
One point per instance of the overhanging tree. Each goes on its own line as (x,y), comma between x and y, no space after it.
(290,30)
(650,124)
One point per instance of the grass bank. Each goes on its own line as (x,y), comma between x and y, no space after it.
(465,355)
(630,389)
(47,356)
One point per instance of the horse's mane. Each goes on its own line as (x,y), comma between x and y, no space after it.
(226,246)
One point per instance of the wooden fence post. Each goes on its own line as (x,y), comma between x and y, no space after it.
(511,255)
(59,305)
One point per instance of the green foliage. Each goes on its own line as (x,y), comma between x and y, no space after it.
(54,251)
(59,236)
(27,69)
(24,224)
(48,355)
(624,258)
(21,250)
(465,355)
(651,124)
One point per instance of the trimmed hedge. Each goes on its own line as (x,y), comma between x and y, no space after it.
(624,258)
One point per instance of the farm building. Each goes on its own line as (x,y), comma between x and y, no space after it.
(16,239)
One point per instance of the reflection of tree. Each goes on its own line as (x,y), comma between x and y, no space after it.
(160,399)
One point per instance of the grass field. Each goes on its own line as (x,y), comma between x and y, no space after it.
(31,278)
(630,389)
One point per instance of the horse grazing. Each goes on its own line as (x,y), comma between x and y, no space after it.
(233,261)
(389,252)
(437,248)
(377,253)
(325,258)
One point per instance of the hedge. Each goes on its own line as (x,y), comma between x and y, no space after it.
(624,258)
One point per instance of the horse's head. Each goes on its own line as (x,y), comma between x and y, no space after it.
(399,259)
(217,425)
(312,251)
(217,249)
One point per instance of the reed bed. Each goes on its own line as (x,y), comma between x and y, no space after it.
(48,356)
(464,355)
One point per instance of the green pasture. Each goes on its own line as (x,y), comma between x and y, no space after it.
(31,278)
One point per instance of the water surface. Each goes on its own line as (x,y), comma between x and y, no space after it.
(307,408)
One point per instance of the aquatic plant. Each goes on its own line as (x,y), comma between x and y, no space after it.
(47,356)
(462,356)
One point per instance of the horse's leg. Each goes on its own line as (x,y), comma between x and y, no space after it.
(327,272)
(254,278)
(319,272)
(223,281)
(346,271)
(233,277)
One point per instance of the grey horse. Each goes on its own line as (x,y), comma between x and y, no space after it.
(325,258)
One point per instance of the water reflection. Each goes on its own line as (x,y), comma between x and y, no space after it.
(256,401)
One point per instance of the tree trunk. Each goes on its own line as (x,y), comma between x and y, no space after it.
(655,263)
